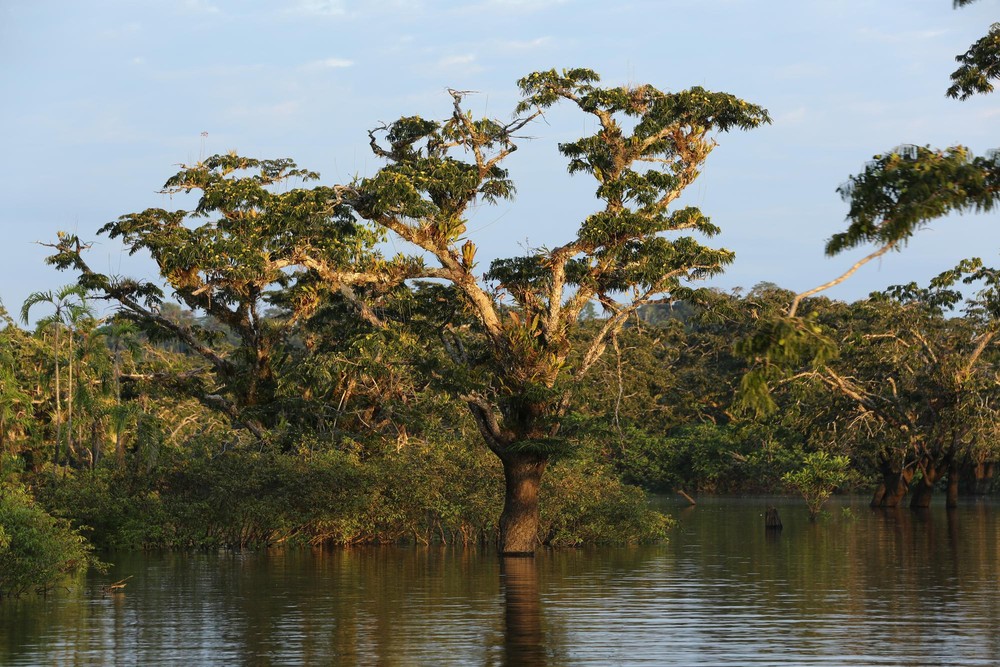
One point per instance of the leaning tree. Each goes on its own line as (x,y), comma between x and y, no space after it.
(897,194)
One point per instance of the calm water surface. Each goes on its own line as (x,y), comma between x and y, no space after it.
(859,588)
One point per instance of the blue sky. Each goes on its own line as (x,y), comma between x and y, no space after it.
(103,99)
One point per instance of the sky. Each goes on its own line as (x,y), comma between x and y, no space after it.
(102,100)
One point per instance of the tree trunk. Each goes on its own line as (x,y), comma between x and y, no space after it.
(895,485)
(55,458)
(70,449)
(879,496)
(519,520)
(924,489)
(982,477)
(954,476)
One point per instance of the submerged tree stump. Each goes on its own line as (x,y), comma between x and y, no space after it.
(771,519)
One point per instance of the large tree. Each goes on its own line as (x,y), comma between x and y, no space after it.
(223,258)
(509,340)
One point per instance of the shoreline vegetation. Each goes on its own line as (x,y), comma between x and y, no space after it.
(178,477)
(284,382)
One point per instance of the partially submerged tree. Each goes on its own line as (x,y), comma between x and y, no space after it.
(512,342)
(817,479)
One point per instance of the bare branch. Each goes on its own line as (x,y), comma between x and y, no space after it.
(794,307)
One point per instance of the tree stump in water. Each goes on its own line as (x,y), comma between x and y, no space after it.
(771,519)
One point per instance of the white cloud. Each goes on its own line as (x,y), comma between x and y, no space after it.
(330,63)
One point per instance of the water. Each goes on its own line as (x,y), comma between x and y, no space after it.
(862,588)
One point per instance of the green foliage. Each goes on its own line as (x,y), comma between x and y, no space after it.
(778,348)
(37,550)
(587,504)
(901,191)
(821,474)
(978,67)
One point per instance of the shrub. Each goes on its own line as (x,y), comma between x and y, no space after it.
(818,478)
(584,503)
(37,550)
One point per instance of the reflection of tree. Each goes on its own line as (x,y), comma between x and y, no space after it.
(525,635)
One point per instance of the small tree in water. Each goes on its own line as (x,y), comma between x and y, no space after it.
(820,475)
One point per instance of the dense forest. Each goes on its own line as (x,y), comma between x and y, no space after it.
(284,381)
(115,432)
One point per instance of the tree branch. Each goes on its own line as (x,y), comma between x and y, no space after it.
(794,307)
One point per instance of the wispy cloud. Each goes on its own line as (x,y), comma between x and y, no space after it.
(319,8)
(329,63)
(120,31)
(905,37)
(523,45)
(458,60)
(199,7)
(530,5)
(465,63)
(511,6)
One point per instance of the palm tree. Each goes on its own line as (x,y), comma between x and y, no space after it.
(69,303)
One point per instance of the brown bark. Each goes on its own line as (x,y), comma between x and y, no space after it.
(982,477)
(520,517)
(923,490)
(896,484)
(525,642)
(954,476)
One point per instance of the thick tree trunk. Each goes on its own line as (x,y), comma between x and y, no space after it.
(879,496)
(519,520)
(982,477)
(895,485)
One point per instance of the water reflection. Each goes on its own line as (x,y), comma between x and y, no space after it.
(882,587)
(524,638)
